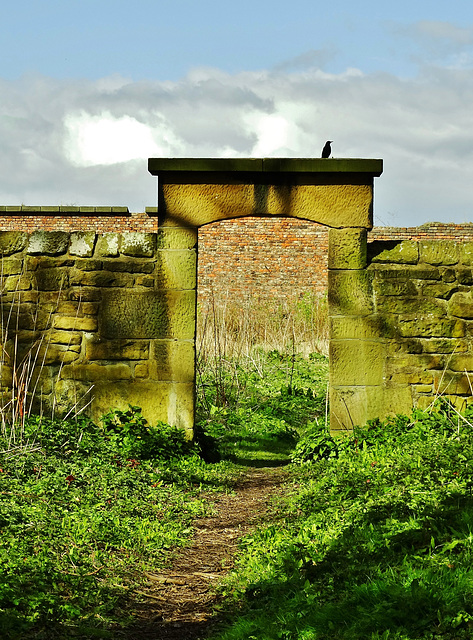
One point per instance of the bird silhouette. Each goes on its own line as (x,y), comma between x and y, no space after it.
(327,150)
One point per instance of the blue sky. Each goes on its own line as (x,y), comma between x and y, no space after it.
(90,89)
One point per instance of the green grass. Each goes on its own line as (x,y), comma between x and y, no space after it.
(374,542)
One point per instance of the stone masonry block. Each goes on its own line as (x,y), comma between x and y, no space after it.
(438,252)
(107,245)
(350,292)
(96,372)
(172,360)
(10,266)
(12,242)
(466,252)
(461,304)
(50,243)
(138,244)
(51,279)
(358,327)
(117,350)
(430,326)
(396,251)
(347,249)
(177,269)
(336,205)
(69,323)
(177,238)
(461,362)
(356,362)
(82,244)
(141,314)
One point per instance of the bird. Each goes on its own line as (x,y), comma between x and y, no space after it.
(327,150)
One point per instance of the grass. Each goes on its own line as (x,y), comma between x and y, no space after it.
(375,541)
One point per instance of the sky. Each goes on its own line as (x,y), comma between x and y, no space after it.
(89,89)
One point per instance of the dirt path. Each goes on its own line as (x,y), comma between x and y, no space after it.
(179,601)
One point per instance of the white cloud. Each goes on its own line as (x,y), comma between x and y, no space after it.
(79,142)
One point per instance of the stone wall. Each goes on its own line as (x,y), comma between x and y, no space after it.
(401,327)
(103,320)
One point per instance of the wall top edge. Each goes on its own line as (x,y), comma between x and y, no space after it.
(61,209)
(159,166)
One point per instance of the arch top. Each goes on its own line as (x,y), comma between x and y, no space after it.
(337,192)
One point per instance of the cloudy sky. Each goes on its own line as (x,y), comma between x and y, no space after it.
(89,89)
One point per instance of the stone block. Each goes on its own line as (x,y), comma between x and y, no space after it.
(129,266)
(358,327)
(461,304)
(458,384)
(107,245)
(70,323)
(430,326)
(141,370)
(10,266)
(138,244)
(395,251)
(147,314)
(439,290)
(172,360)
(176,238)
(448,275)
(172,403)
(50,353)
(421,305)
(17,283)
(405,272)
(88,265)
(99,279)
(464,276)
(466,252)
(54,279)
(355,405)
(356,362)
(177,269)
(64,337)
(347,249)
(444,345)
(461,362)
(82,243)
(395,287)
(438,252)
(94,372)
(50,243)
(336,205)
(350,292)
(12,242)
(116,350)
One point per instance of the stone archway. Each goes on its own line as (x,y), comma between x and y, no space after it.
(335,192)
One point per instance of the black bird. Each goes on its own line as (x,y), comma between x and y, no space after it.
(327,150)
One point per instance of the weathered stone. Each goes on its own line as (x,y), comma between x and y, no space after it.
(350,292)
(144,281)
(89,265)
(51,279)
(97,372)
(439,290)
(430,326)
(17,283)
(141,370)
(172,360)
(357,362)
(49,353)
(82,243)
(99,279)
(85,294)
(444,345)
(65,337)
(461,304)
(395,287)
(117,350)
(359,327)
(421,305)
(461,362)
(147,314)
(131,266)
(466,252)
(347,249)
(438,252)
(75,323)
(107,245)
(138,244)
(458,384)
(464,276)
(10,266)
(177,269)
(176,238)
(405,272)
(50,243)
(395,251)
(12,242)
(448,275)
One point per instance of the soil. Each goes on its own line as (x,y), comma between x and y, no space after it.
(179,603)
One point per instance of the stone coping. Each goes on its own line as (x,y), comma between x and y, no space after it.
(62,209)
(159,166)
